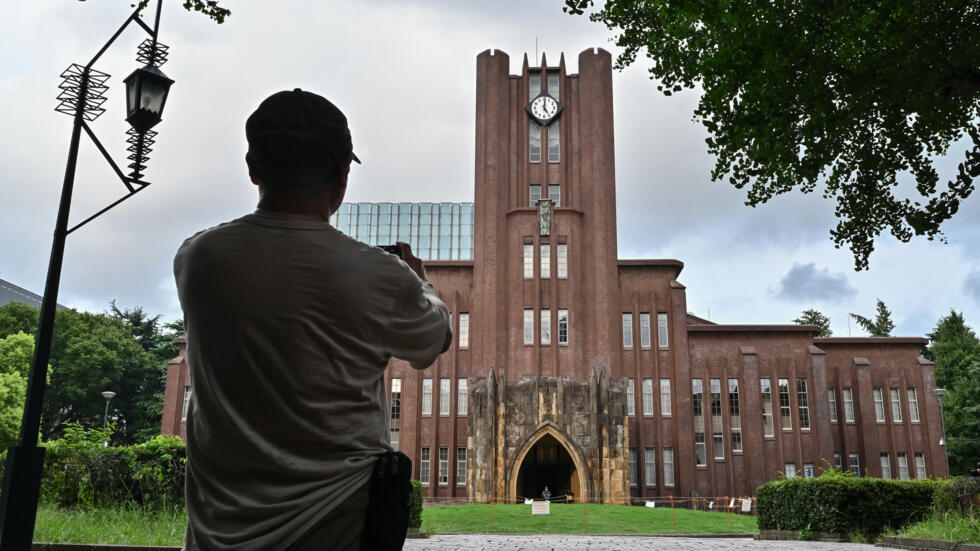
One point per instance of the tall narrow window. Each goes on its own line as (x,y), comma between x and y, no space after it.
(920,465)
(784,410)
(803,404)
(554,193)
(534,194)
(662,329)
(647,396)
(633,477)
(789,470)
(855,463)
(650,467)
(553,84)
(187,403)
(462,397)
(630,397)
(464,330)
(443,466)
(668,466)
(767,426)
(913,397)
(717,438)
(896,405)
(832,398)
(665,397)
(545,326)
(443,396)
(645,329)
(425,466)
(562,261)
(886,466)
(528,261)
(837,461)
(528,326)
(545,261)
(848,405)
(562,326)
(396,411)
(697,401)
(534,86)
(627,330)
(461,466)
(879,405)
(903,466)
(734,415)
(426,396)
(554,142)
(534,151)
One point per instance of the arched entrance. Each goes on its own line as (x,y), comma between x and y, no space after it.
(548,459)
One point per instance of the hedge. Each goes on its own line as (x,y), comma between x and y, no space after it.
(415,510)
(960,495)
(838,502)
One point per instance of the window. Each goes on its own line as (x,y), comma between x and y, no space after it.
(528,261)
(719,445)
(462,397)
(809,471)
(784,411)
(528,378)
(896,405)
(562,326)
(553,84)
(662,329)
(630,397)
(627,330)
(554,142)
(545,326)
(632,466)
(886,466)
(767,426)
(534,149)
(903,466)
(461,466)
(668,466)
(562,267)
(718,440)
(647,396)
(789,470)
(534,195)
(855,463)
(396,411)
(554,193)
(443,396)
(645,329)
(848,406)
(734,415)
(697,401)
(832,397)
(464,330)
(534,86)
(443,466)
(913,397)
(920,465)
(837,461)
(187,403)
(425,467)
(426,396)
(664,398)
(545,261)
(528,326)
(879,405)
(803,404)
(650,467)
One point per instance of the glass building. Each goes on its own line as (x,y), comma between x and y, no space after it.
(436,231)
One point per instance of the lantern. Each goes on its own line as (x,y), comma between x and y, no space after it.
(146,94)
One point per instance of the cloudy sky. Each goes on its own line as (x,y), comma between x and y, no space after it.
(404,72)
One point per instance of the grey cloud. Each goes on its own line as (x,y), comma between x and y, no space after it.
(807,282)
(972,285)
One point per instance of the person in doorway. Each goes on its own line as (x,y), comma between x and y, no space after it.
(546,494)
(290,325)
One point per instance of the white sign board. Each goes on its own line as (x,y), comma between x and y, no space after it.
(746,505)
(541,508)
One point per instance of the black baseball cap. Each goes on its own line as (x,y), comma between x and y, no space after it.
(293,131)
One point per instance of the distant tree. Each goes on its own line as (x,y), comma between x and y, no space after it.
(16,351)
(210,8)
(953,346)
(16,317)
(815,317)
(881,326)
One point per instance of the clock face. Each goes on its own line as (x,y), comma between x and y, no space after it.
(544,108)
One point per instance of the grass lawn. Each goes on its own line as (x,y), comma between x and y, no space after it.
(570,519)
(945,527)
(122,526)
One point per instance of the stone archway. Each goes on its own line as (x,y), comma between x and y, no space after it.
(548,458)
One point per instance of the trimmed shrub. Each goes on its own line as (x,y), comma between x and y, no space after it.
(959,495)
(838,502)
(415,510)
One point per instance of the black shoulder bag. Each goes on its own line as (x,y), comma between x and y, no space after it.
(391,498)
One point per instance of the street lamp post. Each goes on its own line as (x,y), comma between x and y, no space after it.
(82,96)
(940,392)
(108,395)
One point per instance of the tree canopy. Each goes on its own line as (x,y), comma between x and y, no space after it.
(882,324)
(815,317)
(859,97)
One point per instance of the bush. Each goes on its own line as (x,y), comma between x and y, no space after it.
(838,502)
(960,495)
(415,510)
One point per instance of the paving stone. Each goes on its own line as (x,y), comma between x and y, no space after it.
(488,542)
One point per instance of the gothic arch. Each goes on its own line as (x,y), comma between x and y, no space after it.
(578,460)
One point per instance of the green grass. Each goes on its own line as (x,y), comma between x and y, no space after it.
(131,526)
(571,518)
(952,527)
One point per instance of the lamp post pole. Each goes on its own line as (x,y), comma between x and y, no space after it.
(940,392)
(108,395)
(81,97)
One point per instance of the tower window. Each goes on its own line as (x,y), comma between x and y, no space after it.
(630,397)
(426,396)
(534,141)
(462,397)
(464,330)
(627,330)
(545,261)
(554,193)
(528,261)
(534,194)
(425,466)
(554,143)
(562,326)
(645,329)
(528,326)
(647,397)
(562,255)
(662,329)
(443,396)
(534,86)
(545,326)
(553,84)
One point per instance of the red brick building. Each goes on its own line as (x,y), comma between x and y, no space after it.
(575,369)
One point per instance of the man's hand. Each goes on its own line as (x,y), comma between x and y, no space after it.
(414,262)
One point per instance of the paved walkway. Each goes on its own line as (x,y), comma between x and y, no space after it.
(618,543)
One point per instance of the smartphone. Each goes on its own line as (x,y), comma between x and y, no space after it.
(391,249)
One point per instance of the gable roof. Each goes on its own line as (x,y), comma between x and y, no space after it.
(13,293)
